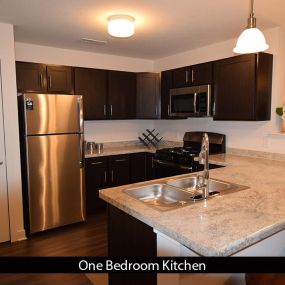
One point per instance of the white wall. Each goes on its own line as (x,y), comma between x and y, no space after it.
(9,91)
(100,131)
(245,135)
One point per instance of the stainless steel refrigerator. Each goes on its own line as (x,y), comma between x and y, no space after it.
(51,134)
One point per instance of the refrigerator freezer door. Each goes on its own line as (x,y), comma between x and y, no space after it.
(55,181)
(53,114)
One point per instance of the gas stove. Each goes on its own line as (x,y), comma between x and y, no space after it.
(179,160)
(180,155)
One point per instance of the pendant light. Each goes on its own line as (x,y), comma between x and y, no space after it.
(251,39)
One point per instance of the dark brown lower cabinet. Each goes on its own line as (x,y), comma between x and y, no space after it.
(111,171)
(119,170)
(138,167)
(129,237)
(95,179)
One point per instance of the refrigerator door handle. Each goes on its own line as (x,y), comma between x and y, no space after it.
(80,113)
(81,151)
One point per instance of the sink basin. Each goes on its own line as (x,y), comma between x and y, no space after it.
(161,196)
(215,186)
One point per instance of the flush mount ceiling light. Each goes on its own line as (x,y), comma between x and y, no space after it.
(121,26)
(251,39)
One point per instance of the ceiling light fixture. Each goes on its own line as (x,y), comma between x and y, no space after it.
(251,39)
(121,26)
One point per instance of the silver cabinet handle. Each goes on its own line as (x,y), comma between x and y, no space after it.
(111,110)
(112,176)
(96,163)
(195,102)
(105,176)
(1,162)
(104,110)
(192,75)
(41,80)
(186,76)
(120,160)
(152,165)
(49,80)
(168,109)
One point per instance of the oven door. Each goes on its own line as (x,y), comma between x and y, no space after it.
(166,169)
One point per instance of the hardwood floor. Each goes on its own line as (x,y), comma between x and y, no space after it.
(83,239)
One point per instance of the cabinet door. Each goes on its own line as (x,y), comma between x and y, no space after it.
(31,77)
(235,88)
(201,74)
(95,179)
(150,174)
(92,85)
(148,96)
(119,170)
(122,95)
(60,79)
(138,167)
(166,85)
(181,77)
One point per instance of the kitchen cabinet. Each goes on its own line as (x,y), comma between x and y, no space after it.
(92,85)
(199,74)
(148,96)
(60,79)
(242,87)
(138,167)
(95,179)
(36,77)
(166,85)
(119,170)
(121,95)
(31,77)
(129,237)
(110,171)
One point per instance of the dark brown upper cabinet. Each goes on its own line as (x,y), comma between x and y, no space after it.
(199,74)
(36,77)
(121,95)
(92,85)
(166,85)
(60,79)
(242,87)
(148,96)
(31,77)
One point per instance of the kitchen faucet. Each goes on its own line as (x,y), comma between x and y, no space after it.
(204,159)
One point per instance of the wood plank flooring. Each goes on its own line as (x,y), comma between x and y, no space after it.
(82,239)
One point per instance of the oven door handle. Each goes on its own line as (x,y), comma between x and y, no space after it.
(173,165)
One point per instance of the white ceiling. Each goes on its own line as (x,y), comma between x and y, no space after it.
(163,27)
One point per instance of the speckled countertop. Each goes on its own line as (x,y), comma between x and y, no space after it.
(115,148)
(223,225)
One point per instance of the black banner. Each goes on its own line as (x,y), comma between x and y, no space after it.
(142,264)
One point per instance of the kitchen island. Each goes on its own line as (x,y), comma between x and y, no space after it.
(248,222)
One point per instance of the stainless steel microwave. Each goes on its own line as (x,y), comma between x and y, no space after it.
(192,101)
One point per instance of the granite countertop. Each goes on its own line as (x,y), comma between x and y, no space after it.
(223,225)
(116,148)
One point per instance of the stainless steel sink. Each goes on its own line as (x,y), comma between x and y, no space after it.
(161,196)
(216,186)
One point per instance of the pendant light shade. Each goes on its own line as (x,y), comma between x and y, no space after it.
(251,39)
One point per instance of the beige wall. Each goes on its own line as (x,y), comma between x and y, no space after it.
(246,135)
(9,91)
